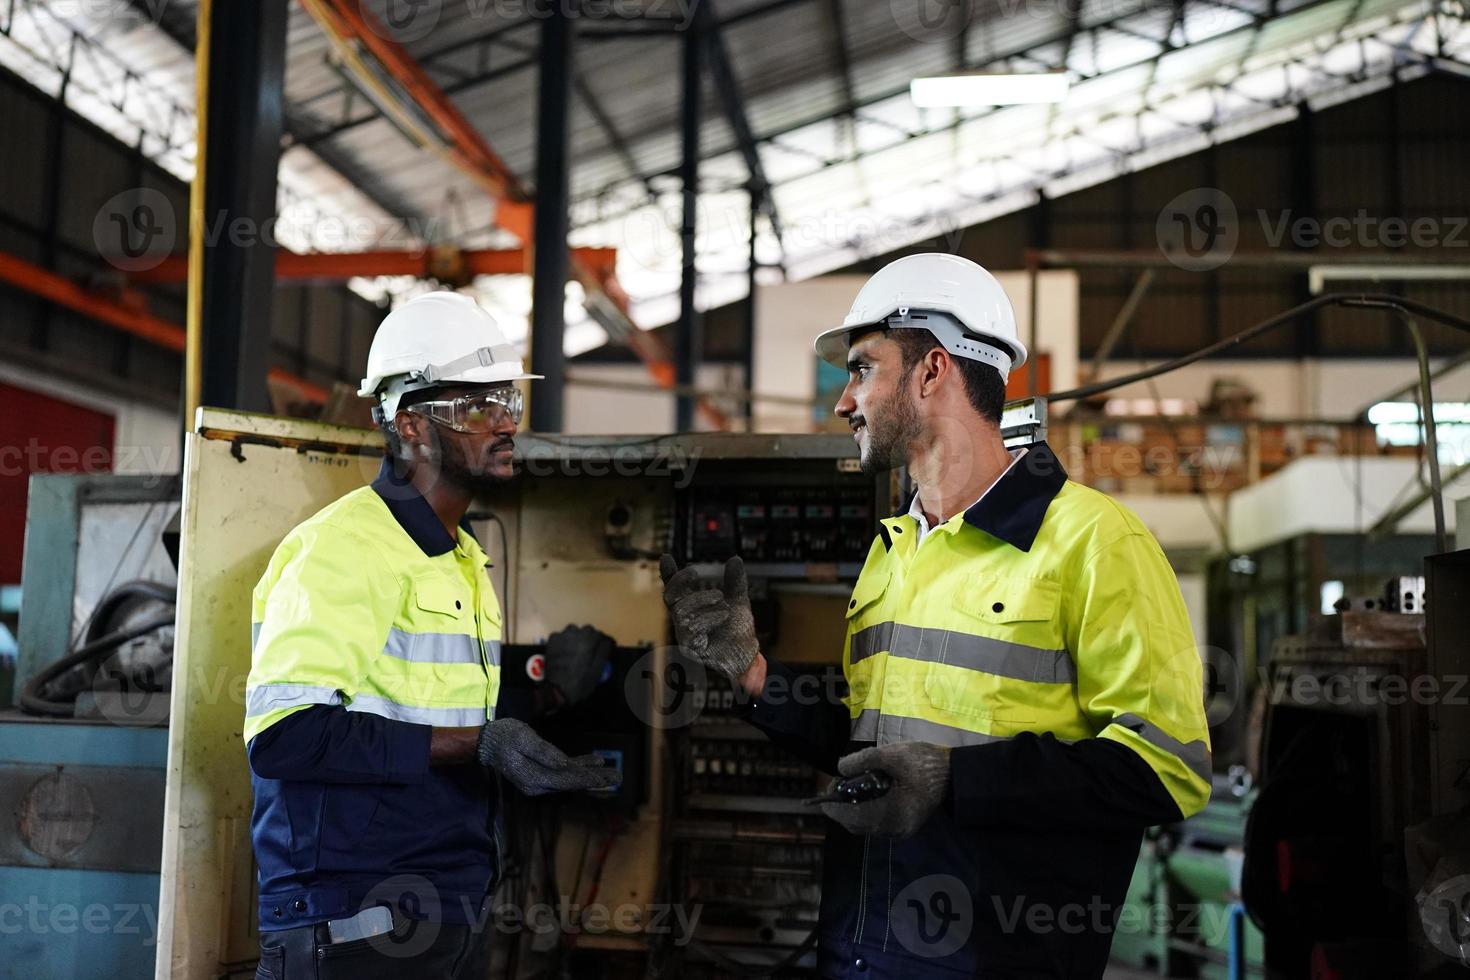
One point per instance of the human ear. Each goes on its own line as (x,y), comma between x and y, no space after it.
(932,369)
(409,426)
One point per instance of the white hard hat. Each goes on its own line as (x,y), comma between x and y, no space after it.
(958,301)
(439,338)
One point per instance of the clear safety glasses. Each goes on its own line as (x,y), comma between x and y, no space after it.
(481,412)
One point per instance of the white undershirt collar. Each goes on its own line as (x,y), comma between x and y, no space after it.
(916,511)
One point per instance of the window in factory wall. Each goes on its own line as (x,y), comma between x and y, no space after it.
(1398,424)
(1332,591)
(42,434)
(1151,406)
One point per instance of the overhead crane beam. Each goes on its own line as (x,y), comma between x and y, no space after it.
(351,32)
(45,284)
(449,265)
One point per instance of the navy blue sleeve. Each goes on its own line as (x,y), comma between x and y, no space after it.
(1034,780)
(329,744)
(805,719)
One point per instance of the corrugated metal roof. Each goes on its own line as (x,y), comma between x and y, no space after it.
(855,166)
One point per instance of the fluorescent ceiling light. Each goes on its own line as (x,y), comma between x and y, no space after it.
(985,88)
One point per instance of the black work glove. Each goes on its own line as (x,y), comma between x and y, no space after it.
(714,626)
(575,657)
(920,774)
(535,766)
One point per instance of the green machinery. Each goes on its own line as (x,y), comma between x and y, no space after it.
(1183,916)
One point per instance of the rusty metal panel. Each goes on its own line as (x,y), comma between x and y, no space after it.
(248,479)
(102,818)
(1382,631)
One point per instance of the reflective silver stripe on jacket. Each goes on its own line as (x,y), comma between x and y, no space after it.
(438,717)
(273,697)
(1195,755)
(1001,658)
(433,648)
(875,726)
(872,725)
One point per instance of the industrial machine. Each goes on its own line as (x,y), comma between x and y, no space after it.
(82,771)
(1353,795)
(575,540)
(710,816)
(1356,849)
(746,849)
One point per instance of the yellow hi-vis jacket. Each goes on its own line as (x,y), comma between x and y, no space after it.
(964,639)
(372,626)
(351,611)
(1040,634)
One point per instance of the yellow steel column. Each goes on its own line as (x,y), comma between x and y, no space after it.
(194,316)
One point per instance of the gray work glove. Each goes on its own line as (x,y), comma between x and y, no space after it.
(920,774)
(575,658)
(714,626)
(535,766)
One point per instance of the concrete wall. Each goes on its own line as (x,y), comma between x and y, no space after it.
(591,410)
(1180,521)
(1326,494)
(1328,389)
(1329,494)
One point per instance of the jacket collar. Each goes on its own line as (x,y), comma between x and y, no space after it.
(412,512)
(1015,505)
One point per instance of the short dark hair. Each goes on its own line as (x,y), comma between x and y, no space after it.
(983,383)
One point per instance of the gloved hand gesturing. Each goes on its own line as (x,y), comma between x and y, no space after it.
(920,774)
(714,626)
(575,657)
(535,766)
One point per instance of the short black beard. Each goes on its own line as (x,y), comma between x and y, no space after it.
(899,427)
(455,469)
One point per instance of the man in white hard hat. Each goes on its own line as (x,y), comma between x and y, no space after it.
(370,714)
(1020,666)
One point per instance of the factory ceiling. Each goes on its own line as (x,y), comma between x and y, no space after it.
(808,98)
